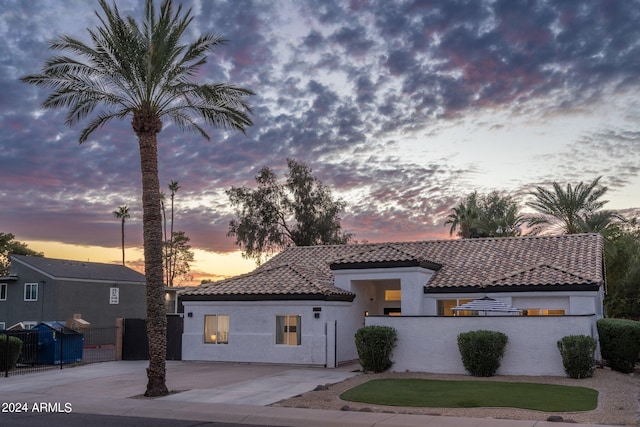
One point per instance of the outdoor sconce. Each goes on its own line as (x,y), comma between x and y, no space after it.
(189,314)
(316,312)
(316,315)
(366,313)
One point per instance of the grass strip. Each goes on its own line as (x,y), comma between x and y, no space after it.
(473,394)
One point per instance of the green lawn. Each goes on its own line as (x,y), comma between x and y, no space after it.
(473,394)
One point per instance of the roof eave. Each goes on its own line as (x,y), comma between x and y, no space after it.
(513,288)
(384,264)
(268,297)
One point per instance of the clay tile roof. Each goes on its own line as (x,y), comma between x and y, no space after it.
(542,275)
(383,255)
(281,280)
(466,264)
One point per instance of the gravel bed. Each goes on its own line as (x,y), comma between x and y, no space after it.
(618,398)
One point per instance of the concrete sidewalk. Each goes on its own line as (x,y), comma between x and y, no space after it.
(222,392)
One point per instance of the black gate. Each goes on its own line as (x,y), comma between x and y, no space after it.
(174,337)
(135,345)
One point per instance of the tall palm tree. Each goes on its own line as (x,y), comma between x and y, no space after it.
(464,217)
(122,213)
(571,211)
(143,71)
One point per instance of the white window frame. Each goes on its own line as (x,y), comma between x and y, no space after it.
(220,336)
(29,324)
(284,332)
(3,291)
(30,286)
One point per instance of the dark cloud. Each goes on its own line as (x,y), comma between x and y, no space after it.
(358,90)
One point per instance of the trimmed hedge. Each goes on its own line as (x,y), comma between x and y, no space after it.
(619,343)
(375,346)
(577,355)
(481,351)
(8,360)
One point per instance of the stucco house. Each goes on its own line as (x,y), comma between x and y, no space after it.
(305,304)
(45,289)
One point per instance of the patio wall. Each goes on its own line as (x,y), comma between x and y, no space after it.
(429,344)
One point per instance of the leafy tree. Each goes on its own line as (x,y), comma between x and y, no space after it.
(622,262)
(122,213)
(181,257)
(300,211)
(485,215)
(574,210)
(143,71)
(10,246)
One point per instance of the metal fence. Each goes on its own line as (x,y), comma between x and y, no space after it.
(44,349)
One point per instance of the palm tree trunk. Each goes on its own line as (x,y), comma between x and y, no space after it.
(123,241)
(172,260)
(147,128)
(165,250)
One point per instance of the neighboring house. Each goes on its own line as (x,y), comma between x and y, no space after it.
(43,289)
(304,305)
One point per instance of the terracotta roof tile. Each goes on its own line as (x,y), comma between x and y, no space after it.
(517,261)
(279,280)
(542,275)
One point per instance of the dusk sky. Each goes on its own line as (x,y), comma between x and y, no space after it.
(400,107)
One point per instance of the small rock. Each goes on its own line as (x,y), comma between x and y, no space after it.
(347,408)
(365,409)
(321,388)
(555,419)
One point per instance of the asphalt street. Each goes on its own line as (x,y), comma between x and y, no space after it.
(84,420)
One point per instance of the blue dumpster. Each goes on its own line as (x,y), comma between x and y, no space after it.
(58,343)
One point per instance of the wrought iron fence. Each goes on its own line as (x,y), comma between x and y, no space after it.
(53,347)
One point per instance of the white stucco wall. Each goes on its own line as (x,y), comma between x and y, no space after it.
(429,344)
(252,328)
(412,281)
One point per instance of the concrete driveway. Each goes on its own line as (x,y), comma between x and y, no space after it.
(205,392)
(230,383)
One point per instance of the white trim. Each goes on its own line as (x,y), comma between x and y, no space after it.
(29,324)
(30,293)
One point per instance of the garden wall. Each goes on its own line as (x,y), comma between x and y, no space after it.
(429,344)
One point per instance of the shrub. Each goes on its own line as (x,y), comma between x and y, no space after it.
(577,355)
(9,356)
(375,345)
(619,343)
(481,351)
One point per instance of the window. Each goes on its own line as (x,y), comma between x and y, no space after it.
(2,326)
(3,292)
(392,295)
(29,324)
(542,312)
(31,292)
(445,306)
(288,329)
(216,329)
